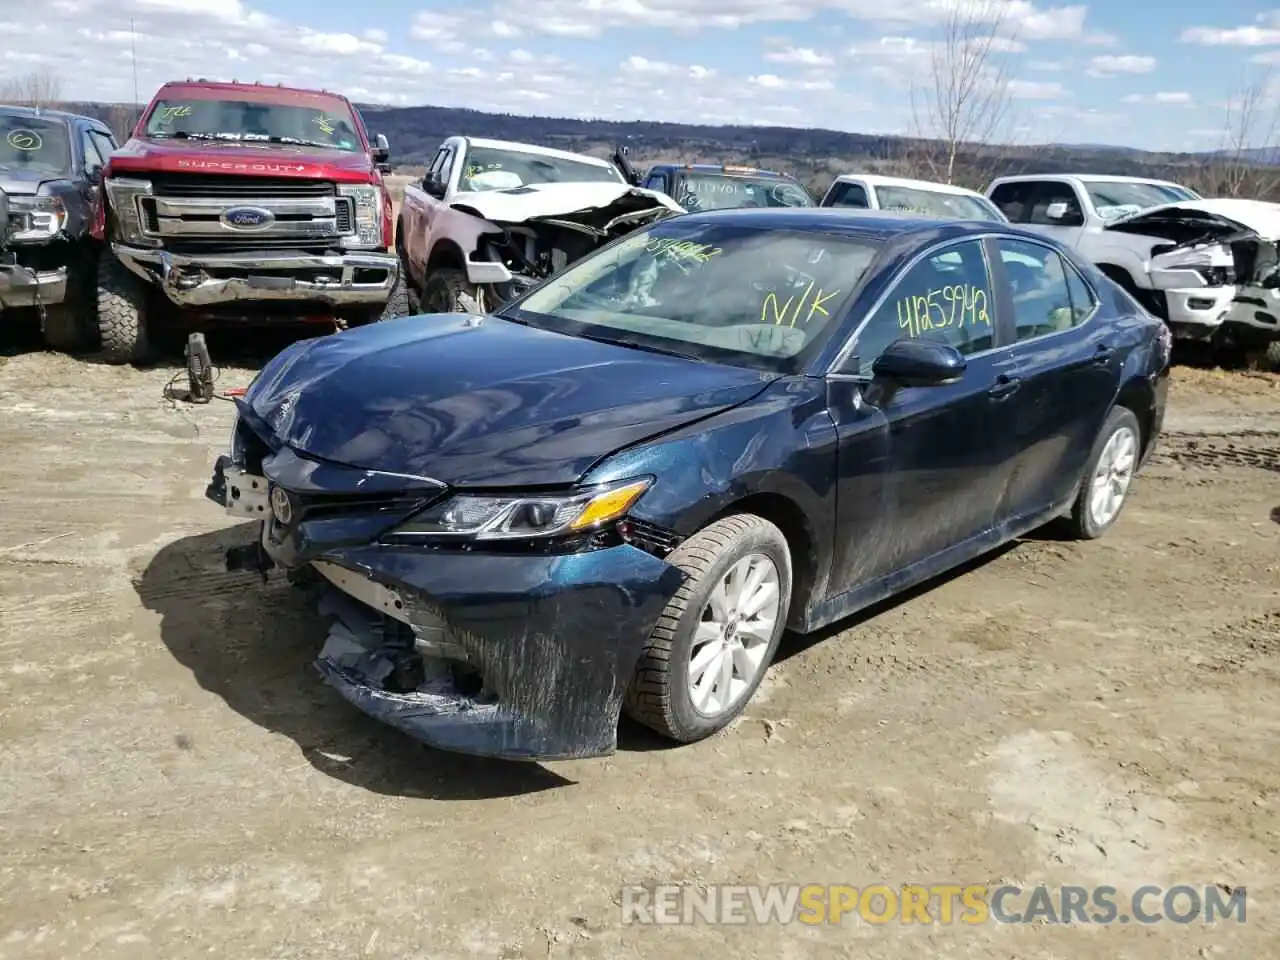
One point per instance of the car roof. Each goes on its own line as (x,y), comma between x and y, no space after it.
(725,169)
(1085,178)
(534,148)
(850,221)
(41,113)
(879,180)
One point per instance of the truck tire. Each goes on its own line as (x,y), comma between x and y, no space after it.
(1272,356)
(63,327)
(448,290)
(398,303)
(122,313)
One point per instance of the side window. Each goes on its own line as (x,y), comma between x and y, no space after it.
(1009,198)
(1041,286)
(93,160)
(945,296)
(847,195)
(1047,198)
(433,171)
(657,181)
(105,143)
(445,171)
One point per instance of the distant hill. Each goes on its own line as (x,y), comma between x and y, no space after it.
(815,155)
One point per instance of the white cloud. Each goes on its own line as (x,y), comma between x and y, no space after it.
(500,28)
(1170,98)
(805,56)
(1032,90)
(1110,66)
(1234,37)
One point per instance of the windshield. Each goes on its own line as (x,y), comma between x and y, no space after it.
(333,126)
(935,203)
(492,169)
(1119,198)
(30,143)
(740,295)
(713,191)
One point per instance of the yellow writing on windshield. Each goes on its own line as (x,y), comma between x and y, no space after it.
(956,305)
(685,250)
(28,141)
(792,310)
(169,114)
(325,124)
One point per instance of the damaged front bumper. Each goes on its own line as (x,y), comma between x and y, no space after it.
(337,280)
(515,656)
(22,286)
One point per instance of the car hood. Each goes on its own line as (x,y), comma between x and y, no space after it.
(481,401)
(1201,221)
(141,155)
(18,182)
(573,202)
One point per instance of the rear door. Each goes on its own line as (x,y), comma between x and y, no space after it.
(1067,369)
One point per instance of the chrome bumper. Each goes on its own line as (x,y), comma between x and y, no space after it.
(196,281)
(22,287)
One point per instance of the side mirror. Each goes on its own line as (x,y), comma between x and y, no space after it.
(1057,211)
(432,187)
(381,149)
(919,363)
(383,167)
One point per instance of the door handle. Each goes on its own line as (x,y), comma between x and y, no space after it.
(1004,386)
(1104,353)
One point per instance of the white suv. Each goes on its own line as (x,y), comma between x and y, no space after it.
(869,191)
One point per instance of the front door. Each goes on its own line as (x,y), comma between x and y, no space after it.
(1068,366)
(922,468)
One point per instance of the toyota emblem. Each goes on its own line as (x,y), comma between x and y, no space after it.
(281,506)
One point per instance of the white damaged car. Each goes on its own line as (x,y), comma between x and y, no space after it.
(491,218)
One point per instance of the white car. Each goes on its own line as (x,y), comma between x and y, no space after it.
(869,191)
(492,218)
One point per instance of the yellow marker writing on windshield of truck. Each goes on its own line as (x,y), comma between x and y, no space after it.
(792,310)
(955,305)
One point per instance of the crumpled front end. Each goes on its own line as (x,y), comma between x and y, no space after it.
(516,653)
(516,256)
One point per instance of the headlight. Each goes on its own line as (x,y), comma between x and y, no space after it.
(521,517)
(35,218)
(126,195)
(366,202)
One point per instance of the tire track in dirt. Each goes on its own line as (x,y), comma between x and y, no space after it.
(1260,451)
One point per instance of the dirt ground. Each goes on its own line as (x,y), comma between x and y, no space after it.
(176,781)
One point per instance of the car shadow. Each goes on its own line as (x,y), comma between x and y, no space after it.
(252,644)
(1275,514)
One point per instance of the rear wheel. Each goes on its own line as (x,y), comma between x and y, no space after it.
(717,636)
(65,326)
(122,312)
(1105,486)
(1272,355)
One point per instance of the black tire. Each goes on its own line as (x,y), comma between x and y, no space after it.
(122,313)
(63,327)
(448,290)
(398,303)
(658,694)
(1081,522)
(1272,356)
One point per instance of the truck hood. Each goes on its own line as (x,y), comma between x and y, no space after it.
(481,401)
(18,182)
(1204,221)
(142,155)
(583,203)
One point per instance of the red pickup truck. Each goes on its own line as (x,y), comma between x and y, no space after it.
(244,203)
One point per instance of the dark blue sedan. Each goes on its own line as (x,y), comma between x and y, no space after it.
(615,493)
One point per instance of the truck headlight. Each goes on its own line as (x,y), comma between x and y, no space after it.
(518,517)
(125,195)
(366,202)
(35,218)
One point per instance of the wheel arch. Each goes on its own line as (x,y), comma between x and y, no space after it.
(446,254)
(1139,397)
(787,515)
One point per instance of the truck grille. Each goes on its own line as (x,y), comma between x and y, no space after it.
(186,213)
(237,188)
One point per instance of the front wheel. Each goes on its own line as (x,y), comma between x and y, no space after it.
(447,290)
(711,646)
(122,312)
(1105,486)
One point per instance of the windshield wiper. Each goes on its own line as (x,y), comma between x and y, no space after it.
(638,345)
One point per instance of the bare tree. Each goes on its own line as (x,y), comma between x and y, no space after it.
(967,102)
(121,119)
(1243,164)
(40,88)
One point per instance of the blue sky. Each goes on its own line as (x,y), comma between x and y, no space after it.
(1137,74)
